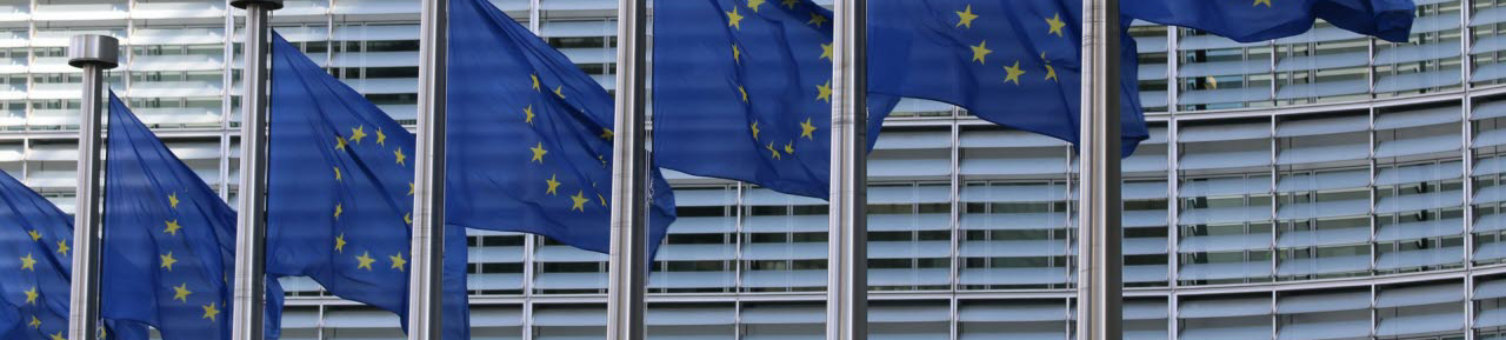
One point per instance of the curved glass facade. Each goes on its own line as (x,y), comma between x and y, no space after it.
(1324,186)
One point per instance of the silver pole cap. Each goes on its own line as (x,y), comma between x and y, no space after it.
(268,4)
(94,49)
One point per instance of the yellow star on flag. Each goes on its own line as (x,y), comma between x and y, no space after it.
(603,201)
(35,322)
(966,17)
(56,336)
(172,200)
(401,158)
(410,188)
(560,91)
(1266,2)
(63,247)
(734,19)
(807,129)
(340,243)
(753,4)
(408,218)
(29,262)
(528,115)
(339,143)
(365,261)
(168,261)
(398,262)
(172,227)
(181,292)
(772,151)
(357,134)
(31,295)
(535,81)
(981,51)
(553,185)
(580,201)
(1014,73)
(740,89)
(1050,73)
(538,153)
(790,3)
(823,91)
(817,19)
(737,54)
(34,235)
(381,137)
(337,173)
(754,127)
(1056,24)
(825,51)
(211,311)
(789,148)
(339,209)
(607,134)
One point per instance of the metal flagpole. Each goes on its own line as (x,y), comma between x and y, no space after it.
(251,222)
(1099,263)
(427,281)
(847,250)
(625,306)
(94,54)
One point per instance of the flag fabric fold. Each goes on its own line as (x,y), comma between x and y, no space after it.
(1256,20)
(743,89)
(339,204)
(169,241)
(530,137)
(1013,63)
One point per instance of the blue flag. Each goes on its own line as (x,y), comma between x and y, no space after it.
(37,248)
(530,137)
(742,91)
(339,204)
(169,242)
(1255,20)
(1013,63)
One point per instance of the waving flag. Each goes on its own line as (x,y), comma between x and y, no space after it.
(1014,63)
(169,241)
(339,208)
(37,250)
(742,91)
(530,137)
(1255,20)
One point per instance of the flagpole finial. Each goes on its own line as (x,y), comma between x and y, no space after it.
(268,4)
(94,49)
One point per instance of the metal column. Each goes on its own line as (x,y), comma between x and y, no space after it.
(1099,261)
(627,266)
(425,306)
(847,251)
(94,54)
(251,222)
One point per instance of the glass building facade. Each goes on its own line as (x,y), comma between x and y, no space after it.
(1323,186)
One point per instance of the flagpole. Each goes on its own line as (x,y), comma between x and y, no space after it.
(847,243)
(627,266)
(1099,259)
(251,222)
(425,313)
(94,54)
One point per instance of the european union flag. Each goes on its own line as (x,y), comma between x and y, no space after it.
(35,265)
(1255,20)
(530,137)
(169,240)
(35,249)
(1014,63)
(339,208)
(742,91)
